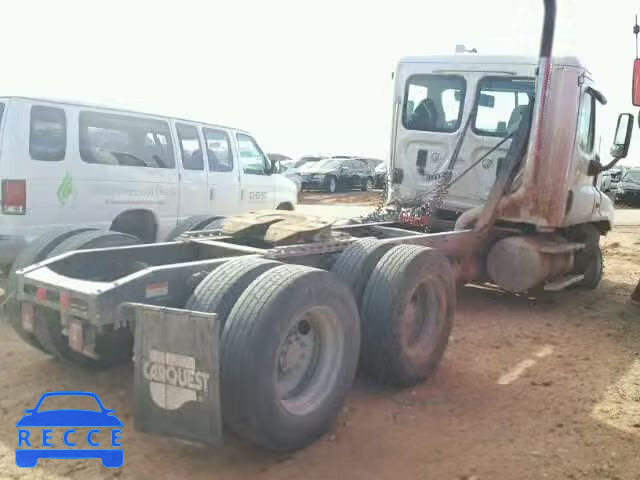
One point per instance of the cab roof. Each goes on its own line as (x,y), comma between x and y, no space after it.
(491,60)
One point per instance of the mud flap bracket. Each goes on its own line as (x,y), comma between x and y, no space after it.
(176,365)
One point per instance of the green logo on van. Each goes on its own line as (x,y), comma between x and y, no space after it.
(65,189)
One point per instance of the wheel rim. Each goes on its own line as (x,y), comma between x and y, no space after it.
(308,360)
(369,185)
(423,317)
(332,185)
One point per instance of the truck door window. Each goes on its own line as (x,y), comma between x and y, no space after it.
(253,161)
(433,103)
(192,158)
(47,133)
(586,123)
(501,103)
(219,155)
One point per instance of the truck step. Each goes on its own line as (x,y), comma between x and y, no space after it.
(563,282)
(561,247)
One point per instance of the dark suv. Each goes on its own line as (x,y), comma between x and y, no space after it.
(333,174)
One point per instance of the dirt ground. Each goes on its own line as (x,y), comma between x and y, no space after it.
(530,388)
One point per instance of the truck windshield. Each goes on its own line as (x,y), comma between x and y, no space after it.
(432,103)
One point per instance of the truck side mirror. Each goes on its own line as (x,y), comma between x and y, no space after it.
(622,138)
(635,88)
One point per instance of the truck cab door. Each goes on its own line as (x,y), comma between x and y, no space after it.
(588,201)
(258,185)
(222,172)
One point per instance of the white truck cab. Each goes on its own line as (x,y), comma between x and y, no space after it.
(73,164)
(440,99)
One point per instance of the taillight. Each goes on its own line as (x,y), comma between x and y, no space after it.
(14,197)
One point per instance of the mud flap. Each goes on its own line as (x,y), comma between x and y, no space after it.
(176,381)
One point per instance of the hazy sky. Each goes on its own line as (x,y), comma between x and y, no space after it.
(303,77)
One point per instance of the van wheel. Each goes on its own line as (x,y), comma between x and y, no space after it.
(197,222)
(331,185)
(111,346)
(355,264)
(367,185)
(407,314)
(289,352)
(35,252)
(219,290)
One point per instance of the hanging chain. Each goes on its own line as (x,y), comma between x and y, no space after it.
(418,210)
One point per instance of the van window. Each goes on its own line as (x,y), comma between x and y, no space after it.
(432,103)
(253,161)
(501,104)
(192,158)
(47,133)
(122,140)
(586,123)
(219,155)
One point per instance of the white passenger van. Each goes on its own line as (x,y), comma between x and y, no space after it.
(68,163)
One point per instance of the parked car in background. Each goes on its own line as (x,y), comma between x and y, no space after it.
(615,175)
(333,174)
(628,188)
(372,162)
(278,157)
(308,159)
(380,173)
(287,169)
(605,182)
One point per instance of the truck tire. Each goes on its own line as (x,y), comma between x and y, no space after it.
(98,239)
(593,269)
(113,346)
(302,323)
(219,290)
(355,264)
(196,222)
(216,224)
(407,315)
(34,252)
(588,261)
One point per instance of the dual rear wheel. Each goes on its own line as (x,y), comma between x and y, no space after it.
(291,334)
(289,348)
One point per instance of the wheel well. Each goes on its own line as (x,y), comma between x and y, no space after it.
(141,223)
(285,206)
(603,226)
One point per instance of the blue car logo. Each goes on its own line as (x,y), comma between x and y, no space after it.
(33,446)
